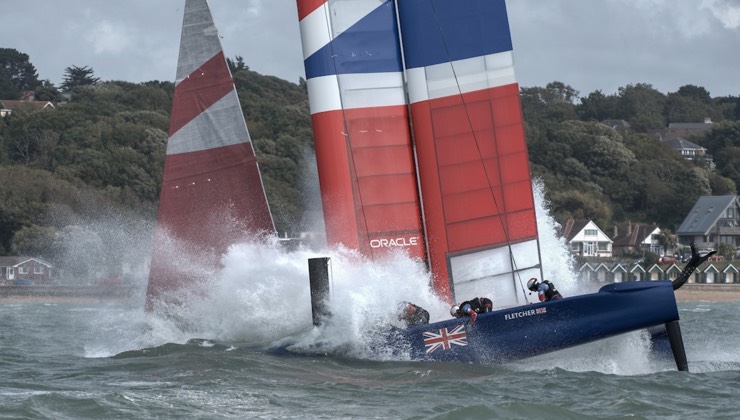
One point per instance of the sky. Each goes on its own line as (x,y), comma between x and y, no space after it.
(587,44)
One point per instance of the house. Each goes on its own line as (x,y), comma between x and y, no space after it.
(712,221)
(8,106)
(24,271)
(637,238)
(690,129)
(586,239)
(687,149)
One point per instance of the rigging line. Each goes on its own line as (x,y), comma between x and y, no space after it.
(477,145)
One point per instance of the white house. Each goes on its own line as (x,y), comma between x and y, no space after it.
(586,239)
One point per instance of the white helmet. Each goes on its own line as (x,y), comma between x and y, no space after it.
(532,284)
(455,311)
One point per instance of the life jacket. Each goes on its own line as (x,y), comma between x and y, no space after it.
(479,305)
(551,292)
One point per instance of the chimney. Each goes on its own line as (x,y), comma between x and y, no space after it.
(616,230)
(629,228)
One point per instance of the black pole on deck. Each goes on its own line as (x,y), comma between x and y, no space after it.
(676,340)
(318,276)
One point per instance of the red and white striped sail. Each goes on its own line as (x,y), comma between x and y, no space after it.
(212,193)
(469,155)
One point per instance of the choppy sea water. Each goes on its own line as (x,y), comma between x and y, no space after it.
(212,357)
(88,360)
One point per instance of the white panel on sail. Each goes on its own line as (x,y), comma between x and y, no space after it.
(462,76)
(490,273)
(222,124)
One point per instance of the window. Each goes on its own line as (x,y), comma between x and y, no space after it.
(590,232)
(603,246)
(22,270)
(39,269)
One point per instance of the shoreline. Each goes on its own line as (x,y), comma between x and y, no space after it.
(62,299)
(708,293)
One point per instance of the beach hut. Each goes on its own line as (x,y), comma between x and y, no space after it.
(655,272)
(637,272)
(730,274)
(711,274)
(619,273)
(603,273)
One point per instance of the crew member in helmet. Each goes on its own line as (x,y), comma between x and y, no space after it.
(545,290)
(472,308)
(413,315)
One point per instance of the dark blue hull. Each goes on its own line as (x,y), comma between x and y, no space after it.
(530,330)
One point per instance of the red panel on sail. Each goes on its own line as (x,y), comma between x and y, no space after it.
(368,180)
(305,7)
(481,171)
(216,182)
(206,203)
(475,182)
(199,91)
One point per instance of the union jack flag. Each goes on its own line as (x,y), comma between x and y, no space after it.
(445,338)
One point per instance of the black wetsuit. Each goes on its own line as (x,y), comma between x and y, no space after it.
(479,305)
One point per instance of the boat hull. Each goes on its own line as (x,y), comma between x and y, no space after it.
(526,331)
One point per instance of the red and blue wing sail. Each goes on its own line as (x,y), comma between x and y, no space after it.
(462,146)
(470,145)
(361,128)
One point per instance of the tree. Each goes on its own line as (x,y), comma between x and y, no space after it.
(47,92)
(641,105)
(33,241)
(697,93)
(683,109)
(237,65)
(666,239)
(727,251)
(554,102)
(78,76)
(16,73)
(597,106)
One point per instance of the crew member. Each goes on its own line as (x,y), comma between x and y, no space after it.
(413,315)
(545,290)
(472,308)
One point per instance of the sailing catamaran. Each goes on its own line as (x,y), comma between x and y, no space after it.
(212,193)
(420,146)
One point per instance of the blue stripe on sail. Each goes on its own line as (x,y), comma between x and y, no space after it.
(369,46)
(469,28)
